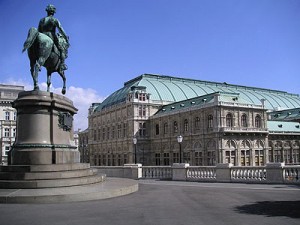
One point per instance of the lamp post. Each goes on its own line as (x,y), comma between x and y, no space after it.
(179,139)
(134,139)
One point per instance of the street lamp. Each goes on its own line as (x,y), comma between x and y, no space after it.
(134,139)
(179,139)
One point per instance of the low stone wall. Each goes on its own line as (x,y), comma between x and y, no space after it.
(275,173)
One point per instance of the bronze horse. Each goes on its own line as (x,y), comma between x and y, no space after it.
(43,52)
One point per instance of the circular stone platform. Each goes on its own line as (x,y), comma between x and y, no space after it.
(111,187)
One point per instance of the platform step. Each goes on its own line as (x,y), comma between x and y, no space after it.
(35,184)
(46,175)
(112,187)
(44,168)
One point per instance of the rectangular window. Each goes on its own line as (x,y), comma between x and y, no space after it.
(108,133)
(95,135)
(142,97)
(14,132)
(119,160)
(15,116)
(103,134)
(109,160)
(245,157)
(104,160)
(197,123)
(157,159)
(142,129)
(6,150)
(175,127)
(7,116)
(186,125)
(165,128)
(142,110)
(125,158)
(119,131)
(176,157)
(157,129)
(198,159)
(124,130)
(166,159)
(259,157)
(6,132)
(113,132)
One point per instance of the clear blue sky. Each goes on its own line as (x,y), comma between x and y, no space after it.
(245,42)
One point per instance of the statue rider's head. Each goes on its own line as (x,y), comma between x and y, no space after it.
(51,10)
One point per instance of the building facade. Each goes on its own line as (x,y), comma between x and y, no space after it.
(83,138)
(8,115)
(218,122)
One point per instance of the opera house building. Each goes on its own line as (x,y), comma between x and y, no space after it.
(161,120)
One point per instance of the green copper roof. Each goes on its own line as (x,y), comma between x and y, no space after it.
(285,127)
(202,100)
(285,115)
(174,89)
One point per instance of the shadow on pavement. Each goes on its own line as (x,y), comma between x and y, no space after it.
(272,208)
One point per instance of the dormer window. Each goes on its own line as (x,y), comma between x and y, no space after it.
(142,96)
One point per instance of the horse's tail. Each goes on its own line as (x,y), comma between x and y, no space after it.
(32,34)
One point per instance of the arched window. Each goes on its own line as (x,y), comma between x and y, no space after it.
(165,128)
(157,129)
(197,123)
(244,120)
(175,127)
(229,122)
(210,121)
(258,121)
(186,125)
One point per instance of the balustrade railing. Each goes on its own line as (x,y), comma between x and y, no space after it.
(292,174)
(272,173)
(201,173)
(156,172)
(248,174)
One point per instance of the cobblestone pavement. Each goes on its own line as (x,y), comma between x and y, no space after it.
(170,203)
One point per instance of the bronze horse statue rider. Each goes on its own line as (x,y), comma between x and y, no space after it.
(48,49)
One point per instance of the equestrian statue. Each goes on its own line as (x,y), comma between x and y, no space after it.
(47,48)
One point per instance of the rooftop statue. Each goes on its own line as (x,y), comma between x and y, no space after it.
(47,48)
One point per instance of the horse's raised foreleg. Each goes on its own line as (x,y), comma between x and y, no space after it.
(62,74)
(48,80)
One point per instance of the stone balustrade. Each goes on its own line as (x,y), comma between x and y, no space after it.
(157,172)
(248,174)
(276,173)
(291,174)
(201,173)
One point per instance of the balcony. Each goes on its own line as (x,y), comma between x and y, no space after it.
(243,130)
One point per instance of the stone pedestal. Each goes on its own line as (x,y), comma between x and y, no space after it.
(223,173)
(179,171)
(44,155)
(275,172)
(44,130)
(133,171)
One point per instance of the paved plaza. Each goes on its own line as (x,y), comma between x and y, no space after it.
(170,203)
